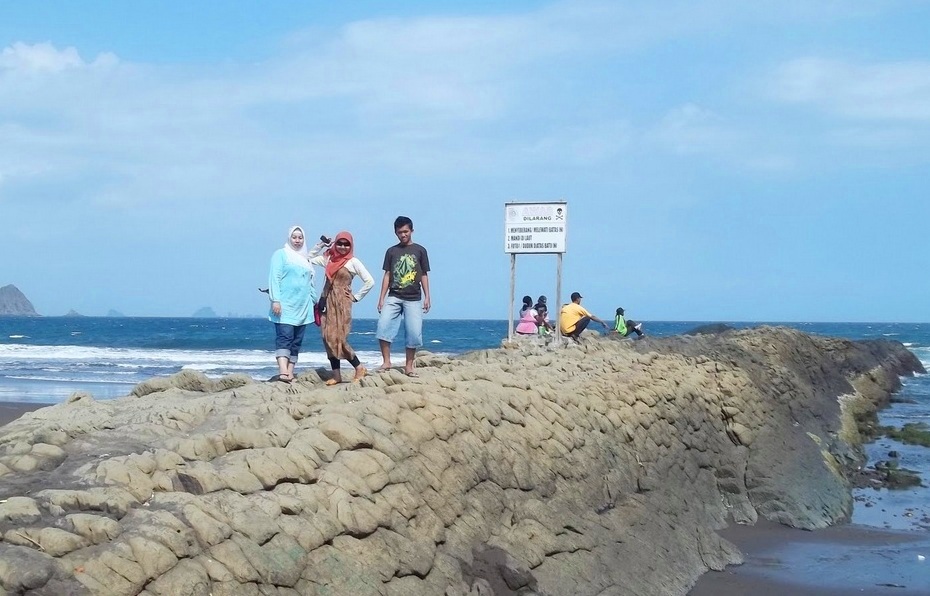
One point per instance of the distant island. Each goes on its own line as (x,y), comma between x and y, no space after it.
(205,313)
(114,313)
(14,302)
(73,313)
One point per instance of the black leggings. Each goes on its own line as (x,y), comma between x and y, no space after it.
(631,326)
(334,362)
(580,326)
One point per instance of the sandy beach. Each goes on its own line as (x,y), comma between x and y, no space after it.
(835,561)
(10,411)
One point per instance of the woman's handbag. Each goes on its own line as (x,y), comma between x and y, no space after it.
(319,309)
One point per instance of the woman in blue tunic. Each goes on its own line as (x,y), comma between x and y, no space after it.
(292,294)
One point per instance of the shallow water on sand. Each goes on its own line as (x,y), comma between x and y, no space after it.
(907,509)
(836,561)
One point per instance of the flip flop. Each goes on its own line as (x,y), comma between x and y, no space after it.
(413,374)
(331,382)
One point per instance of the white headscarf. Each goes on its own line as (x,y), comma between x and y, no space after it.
(294,256)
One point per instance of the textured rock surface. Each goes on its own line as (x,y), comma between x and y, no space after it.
(600,468)
(14,302)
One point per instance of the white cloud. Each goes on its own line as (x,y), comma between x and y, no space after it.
(690,129)
(891,91)
(427,95)
(579,145)
(44,57)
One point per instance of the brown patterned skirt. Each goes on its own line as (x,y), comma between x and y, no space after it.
(337,321)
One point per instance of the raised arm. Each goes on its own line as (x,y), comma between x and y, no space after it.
(316,250)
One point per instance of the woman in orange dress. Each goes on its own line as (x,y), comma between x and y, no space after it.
(341,267)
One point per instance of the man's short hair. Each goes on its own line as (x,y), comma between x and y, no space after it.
(401,221)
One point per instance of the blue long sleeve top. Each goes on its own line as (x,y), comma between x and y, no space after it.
(293,286)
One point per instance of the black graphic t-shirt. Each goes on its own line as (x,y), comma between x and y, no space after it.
(406,265)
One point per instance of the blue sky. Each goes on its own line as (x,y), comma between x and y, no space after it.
(722,160)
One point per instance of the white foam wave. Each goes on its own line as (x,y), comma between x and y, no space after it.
(19,337)
(130,356)
(68,379)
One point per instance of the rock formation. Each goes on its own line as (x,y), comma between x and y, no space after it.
(204,313)
(73,313)
(599,468)
(14,302)
(114,313)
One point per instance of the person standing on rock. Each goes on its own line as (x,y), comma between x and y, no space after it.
(341,267)
(574,318)
(292,295)
(404,295)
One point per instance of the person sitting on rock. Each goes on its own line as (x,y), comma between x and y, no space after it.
(624,327)
(574,318)
(542,318)
(527,324)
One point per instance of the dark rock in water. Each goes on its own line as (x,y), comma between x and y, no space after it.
(205,313)
(114,313)
(73,313)
(14,302)
(712,329)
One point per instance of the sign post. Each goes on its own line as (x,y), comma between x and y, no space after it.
(534,228)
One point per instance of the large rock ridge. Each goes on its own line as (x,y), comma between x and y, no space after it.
(14,302)
(599,468)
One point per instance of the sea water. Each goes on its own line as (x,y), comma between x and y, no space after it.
(45,359)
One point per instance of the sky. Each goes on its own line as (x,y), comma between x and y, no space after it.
(721,160)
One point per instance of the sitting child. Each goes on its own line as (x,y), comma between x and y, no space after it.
(542,318)
(624,327)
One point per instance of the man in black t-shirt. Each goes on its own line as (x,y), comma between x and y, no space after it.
(404,295)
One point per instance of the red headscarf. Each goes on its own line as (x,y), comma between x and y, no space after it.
(337,260)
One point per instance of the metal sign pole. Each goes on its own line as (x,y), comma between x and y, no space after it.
(558,296)
(534,228)
(513,282)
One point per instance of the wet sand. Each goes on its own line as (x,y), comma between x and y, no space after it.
(835,561)
(10,411)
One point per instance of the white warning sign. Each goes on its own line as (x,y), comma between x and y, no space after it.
(534,227)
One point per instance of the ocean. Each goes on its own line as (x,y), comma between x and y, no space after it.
(45,359)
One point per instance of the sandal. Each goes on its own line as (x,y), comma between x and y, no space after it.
(413,374)
(332,382)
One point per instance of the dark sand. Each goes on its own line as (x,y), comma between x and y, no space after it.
(10,411)
(834,561)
